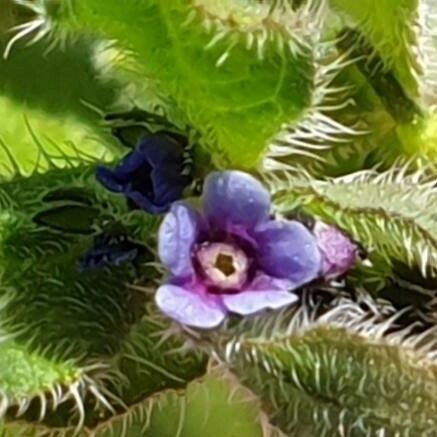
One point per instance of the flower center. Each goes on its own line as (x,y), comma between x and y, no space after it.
(224,265)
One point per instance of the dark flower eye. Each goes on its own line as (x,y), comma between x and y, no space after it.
(152,175)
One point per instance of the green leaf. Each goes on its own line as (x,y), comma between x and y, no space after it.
(68,218)
(419,138)
(390,214)
(389,26)
(24,429)
(149,361)
(88,312)
(215,405)
(237,82)
(55,316)
(53,114)
(342,371)
(26,375)
(94,324)
(385,84)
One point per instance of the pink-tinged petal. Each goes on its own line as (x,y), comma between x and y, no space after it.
(288,250)
(177,235)
(189,307)
(339,252)
(234,198)
(263,293)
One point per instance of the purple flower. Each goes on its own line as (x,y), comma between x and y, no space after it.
(339,252)
(150,176)
(233,257)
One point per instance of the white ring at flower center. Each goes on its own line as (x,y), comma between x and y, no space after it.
(224,265)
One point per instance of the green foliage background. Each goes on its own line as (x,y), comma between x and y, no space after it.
(331,103)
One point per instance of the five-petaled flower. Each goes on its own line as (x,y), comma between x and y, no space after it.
(151,176)
(234,257)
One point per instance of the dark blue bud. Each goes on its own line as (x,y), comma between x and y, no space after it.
(151,176)
(110,251)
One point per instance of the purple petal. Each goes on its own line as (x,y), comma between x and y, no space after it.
(168,184)
(339,252)
(150,176)
(288,250)
(234,198)
(143,202)
(265,292)
(116,179)
(178,232)
(189,307)
(108,179)
(160,150)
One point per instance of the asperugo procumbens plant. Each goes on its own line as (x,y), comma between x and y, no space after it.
(218,217)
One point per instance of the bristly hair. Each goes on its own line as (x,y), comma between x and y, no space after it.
(317,133)
(376,321)
(274,23)
(398,204)
(39,26)
(427,49)
(43,25)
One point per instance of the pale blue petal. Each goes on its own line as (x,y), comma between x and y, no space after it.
(189,307)
(234,198)
(288,250)
(177,235)
(250,302)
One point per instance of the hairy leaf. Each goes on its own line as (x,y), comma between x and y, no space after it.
(61,318)
(390,214)
(342,372)
(26,375)
(215,405)
(239,71)
(149,361)
(389,25)
(55,126)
